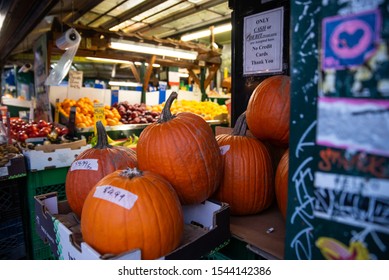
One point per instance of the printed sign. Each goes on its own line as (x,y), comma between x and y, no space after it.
(116,195)
(263,43)
(349,40)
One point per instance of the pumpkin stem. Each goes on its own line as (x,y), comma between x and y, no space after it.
(166,115)
(102,138)
(131,173)
(240,127)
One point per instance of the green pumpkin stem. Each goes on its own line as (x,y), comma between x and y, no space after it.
(131,173)
(102,138)
(240,127)
(166,115)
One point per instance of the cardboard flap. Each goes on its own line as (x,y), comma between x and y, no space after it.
(52,147)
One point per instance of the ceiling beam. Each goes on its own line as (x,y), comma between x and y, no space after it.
(21,17)
(143,7)
(79,9)
(180,15)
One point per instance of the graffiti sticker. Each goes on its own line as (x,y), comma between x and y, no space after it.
(349,40)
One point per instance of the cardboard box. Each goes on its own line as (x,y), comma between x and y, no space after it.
(207,226)
(54,155)
(15,168)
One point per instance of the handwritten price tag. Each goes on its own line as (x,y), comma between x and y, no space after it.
(85,164)
(99,115)
(116,195)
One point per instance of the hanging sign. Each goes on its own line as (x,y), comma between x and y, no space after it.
(75,79)
(263,42)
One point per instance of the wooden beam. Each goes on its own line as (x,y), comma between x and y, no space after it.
(135,72)
(194,77)
(148,72)
(212,72)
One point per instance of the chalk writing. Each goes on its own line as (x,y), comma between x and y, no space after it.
(301,144)
(354,201)
(357,162)
(302,179)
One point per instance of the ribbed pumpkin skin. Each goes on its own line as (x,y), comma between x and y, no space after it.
(154,224)
(184,151)
(268,110)
(110,158)
(281,184)
(247,184)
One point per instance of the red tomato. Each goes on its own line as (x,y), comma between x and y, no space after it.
(22,136)
(42,124)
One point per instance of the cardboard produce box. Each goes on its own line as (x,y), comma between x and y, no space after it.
(15,168)
(207,226)
(54,155)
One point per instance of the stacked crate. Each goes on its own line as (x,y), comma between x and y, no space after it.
(12,235)
(42,182)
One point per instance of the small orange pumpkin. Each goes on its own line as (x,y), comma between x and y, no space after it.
(183,149)
(268,110)
(92,165)
(281,184)
(248,182)
(130,209)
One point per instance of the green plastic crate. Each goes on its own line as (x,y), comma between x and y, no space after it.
(42,182)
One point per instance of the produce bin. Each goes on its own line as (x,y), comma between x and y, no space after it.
(41,182)
(207,227)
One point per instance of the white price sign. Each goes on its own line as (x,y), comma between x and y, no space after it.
(263,42)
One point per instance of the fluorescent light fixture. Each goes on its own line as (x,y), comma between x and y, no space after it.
(183,75)
(107,60)
(125,84)
(151,49)
(207,32)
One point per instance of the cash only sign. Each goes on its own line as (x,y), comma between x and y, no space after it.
(263,42)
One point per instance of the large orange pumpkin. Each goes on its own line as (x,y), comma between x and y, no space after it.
(268,110)
(92,165)
(248,182)
(281,184)
(130,209)
(183,149)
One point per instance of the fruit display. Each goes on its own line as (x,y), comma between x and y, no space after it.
(131,209)
(93,164)
(281,183)
(183,149)
(85,112)
(22,130)
(7,152)
(130,142)
(268,110)
(206,109)
(247,184)
(136,113)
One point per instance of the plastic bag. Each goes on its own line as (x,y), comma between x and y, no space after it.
(70,42)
